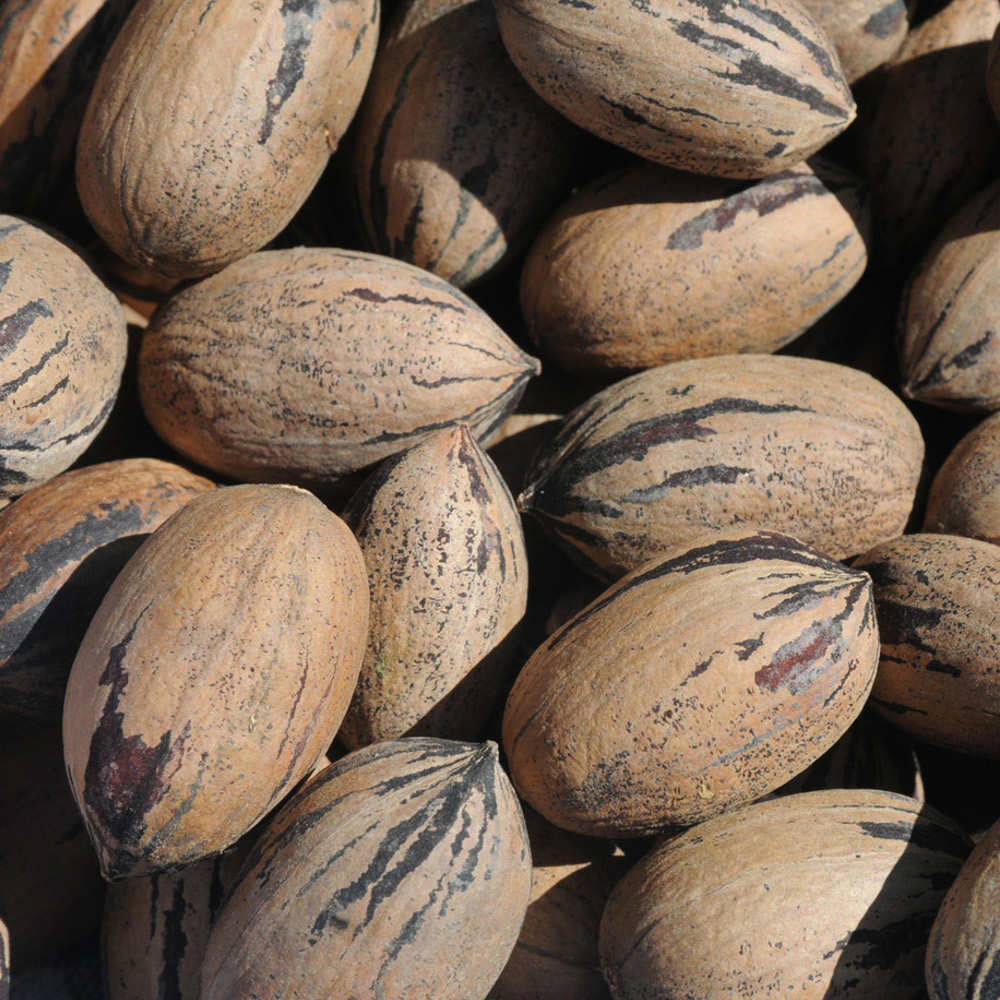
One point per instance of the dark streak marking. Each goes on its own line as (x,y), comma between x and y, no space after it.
(989,986)
(51,394)
(749,646)
(631,444)
(409,843)
(727,474)
(154,908)
(720,12)
(884,22)
(892,943)
(405,248)
(7,389)
(723,552)
(296,37)
(895,707)
(796,663)
(939,373)
(759,199)
(378,192)
(699,668)
(904,624)
(11,477)
(938,980)
(927,835)
(752,71)
(96,548)
(370,295)
(174,946)
(630,114)
(124,778)
(15,327)
(919,350)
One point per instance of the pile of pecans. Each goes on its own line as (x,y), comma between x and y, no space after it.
(304,304)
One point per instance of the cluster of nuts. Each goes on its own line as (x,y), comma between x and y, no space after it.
(294,704)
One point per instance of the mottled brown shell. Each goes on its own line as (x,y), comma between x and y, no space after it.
(817,450)
(964,498)
(818,895)
(938,610)
(210,122)
(555,957)
(311,365)
(741,89)
(63,545)
(701,681)
(932,141)
(50,51)
(155,929)
(865,33)
(62,353)
(456,158)
(51,890)
(649,265)
(949,349)
(448,582)
(963,955)
(214,675)
(403,870)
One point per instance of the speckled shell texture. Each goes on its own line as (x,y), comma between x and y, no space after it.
(310,365)
(865,33)
(741,89)
(963,955)
(949,351)
(211,121)
(50,51)
(214,675)
(63,545)
(456,158)
(51,890)
(701,681)
(648,265)
(403,870)
(964,498)
(448,582)
(932,141)
(62,353)
(155,929)
(938,611)
(824,894)
(555,957)
(817,450)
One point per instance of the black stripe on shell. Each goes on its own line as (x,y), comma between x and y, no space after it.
(759,199)
(125,778)
(296,35)
(15,327)
(568,462)
(721,552)
(174,946)
(720,12)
